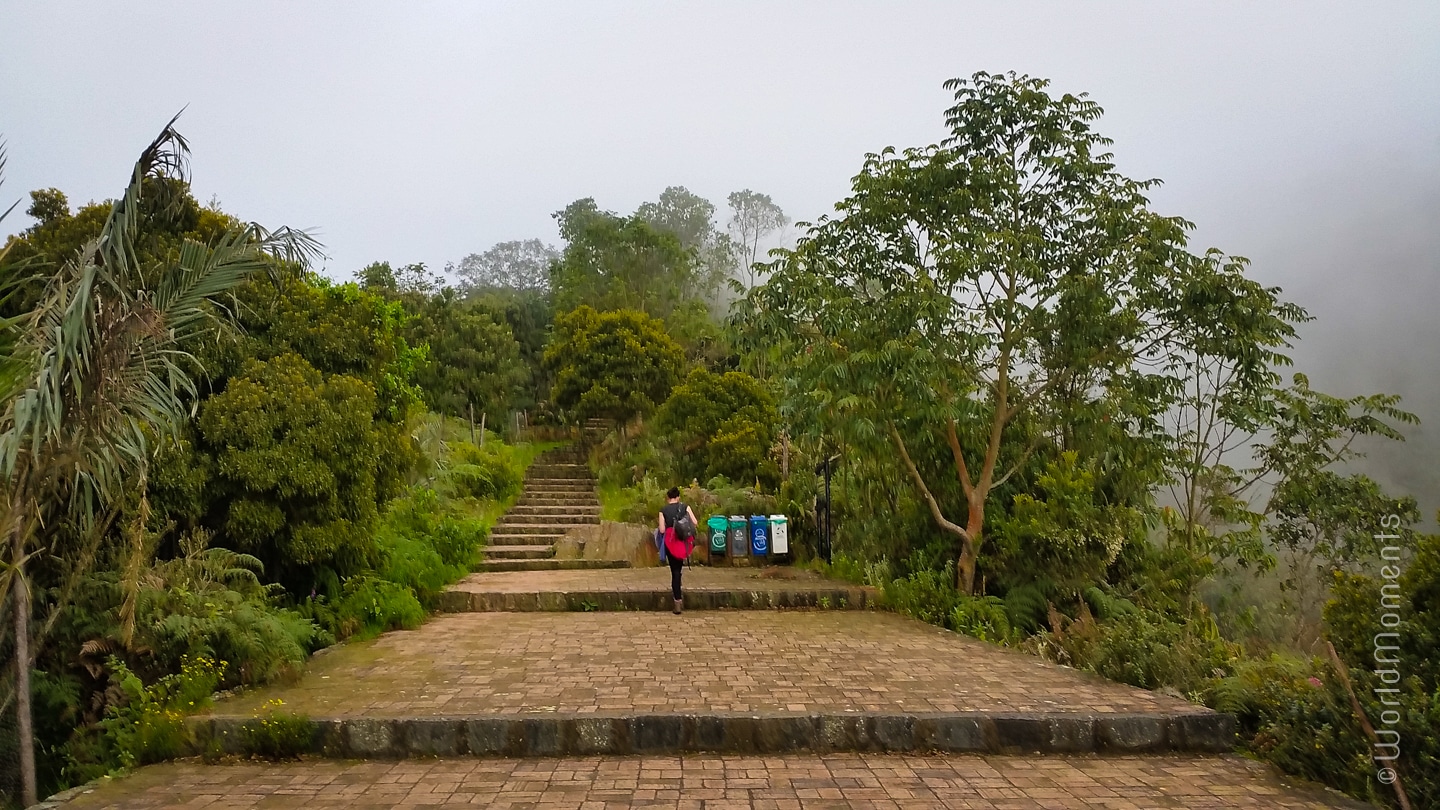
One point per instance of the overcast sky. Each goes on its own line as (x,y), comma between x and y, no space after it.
(1304,135)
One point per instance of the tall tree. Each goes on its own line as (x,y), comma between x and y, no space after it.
(613,262)
(518,266)
(106,370)
(967,289)
(754,217)
(691,218)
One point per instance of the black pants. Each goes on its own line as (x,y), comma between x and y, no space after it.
(676,566)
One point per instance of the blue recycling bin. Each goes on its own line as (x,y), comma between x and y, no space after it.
(759,535)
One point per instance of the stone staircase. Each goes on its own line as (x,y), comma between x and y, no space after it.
(559,493)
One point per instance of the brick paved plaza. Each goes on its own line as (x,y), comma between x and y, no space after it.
(719,661)
(714,782)
(697,577)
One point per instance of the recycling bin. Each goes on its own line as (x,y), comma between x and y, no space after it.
(779,535)
(718,526)
(739,536)
(759,535)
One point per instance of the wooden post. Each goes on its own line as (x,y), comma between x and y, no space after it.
(472,423)
(1365,722)
(482,427)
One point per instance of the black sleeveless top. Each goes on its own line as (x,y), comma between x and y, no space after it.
(672,513)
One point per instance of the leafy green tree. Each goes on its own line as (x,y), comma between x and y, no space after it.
(966,287)
(1230,333)
(618,364)
(1065,535)
(691,218)
(529,316)
(721,424)
(296,458)
(1324,517)
(518,266)
(753,218)
(612,262)
(106,372)
(411,280)
(471,360)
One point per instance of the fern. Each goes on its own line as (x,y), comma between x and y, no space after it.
(1026,608)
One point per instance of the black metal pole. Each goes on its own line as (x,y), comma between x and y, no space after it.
(829,530)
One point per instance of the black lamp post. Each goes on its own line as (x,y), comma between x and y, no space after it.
(826,534)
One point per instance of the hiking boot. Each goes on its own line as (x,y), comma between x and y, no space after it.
(679,604)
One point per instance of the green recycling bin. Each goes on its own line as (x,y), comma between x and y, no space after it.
(739,531)
(718,526)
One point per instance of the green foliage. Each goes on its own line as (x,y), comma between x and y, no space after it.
(425,546)
(722,425)
(471,360)
(337,329)
(1026,608)
(277,736)
(493,471)
(208,604)
(1107,607)
(611,364)
(1065,533)
(1144,649)
(841,567)
(368,606)
(620,263)
(148,724)
(296,463)
(926,594)
(983,617)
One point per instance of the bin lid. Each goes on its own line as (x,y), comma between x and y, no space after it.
(717,522)
(737,518)
(777,518)
(759,517)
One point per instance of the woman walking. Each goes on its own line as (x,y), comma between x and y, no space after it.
(677,525)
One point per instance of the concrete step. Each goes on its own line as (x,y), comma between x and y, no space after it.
(561,519)
(532,525)
(563,488)
(549,565)
(578,503)
(524,539)
(508,552)
(559,469)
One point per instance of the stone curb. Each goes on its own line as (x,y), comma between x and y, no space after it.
(564,735)
(462,601)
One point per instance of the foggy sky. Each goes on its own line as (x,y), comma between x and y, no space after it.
(1305,136)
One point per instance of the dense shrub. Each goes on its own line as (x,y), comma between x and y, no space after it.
(296,462)
(721,425)
(1143,649)
(493,471)
(367,606)
(425,545)
(147,724)
(926,594)
(982,617)
(617,365)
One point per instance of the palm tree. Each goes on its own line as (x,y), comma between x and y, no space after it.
(105,371)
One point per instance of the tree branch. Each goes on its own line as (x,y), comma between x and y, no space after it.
(925,490)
